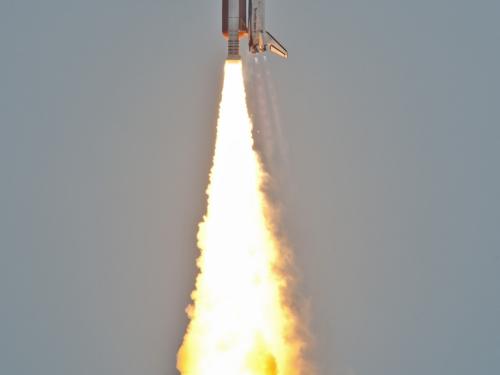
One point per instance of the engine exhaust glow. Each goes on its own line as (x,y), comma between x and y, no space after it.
(240,322)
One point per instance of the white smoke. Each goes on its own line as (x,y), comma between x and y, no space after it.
(265,114)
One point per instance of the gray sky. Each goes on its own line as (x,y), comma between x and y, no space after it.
(391,113)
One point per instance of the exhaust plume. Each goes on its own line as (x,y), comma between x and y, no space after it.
(240,320)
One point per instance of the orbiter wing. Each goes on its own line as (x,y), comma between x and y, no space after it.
(275,46)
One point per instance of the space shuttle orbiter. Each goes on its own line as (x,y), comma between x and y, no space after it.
(236,25)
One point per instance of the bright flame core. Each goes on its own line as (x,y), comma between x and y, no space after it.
(240,323)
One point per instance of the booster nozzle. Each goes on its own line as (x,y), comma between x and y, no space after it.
(233,46)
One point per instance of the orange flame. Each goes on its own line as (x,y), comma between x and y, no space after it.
(240,323)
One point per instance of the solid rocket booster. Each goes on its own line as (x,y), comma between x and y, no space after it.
(236,25)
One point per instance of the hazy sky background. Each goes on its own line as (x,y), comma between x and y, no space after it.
(391,112)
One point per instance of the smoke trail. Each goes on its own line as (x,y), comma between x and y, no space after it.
(266,117)
(240,320)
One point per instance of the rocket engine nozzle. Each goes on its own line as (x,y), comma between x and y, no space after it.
(233,47)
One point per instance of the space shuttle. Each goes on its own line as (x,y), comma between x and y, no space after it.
(236,25)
